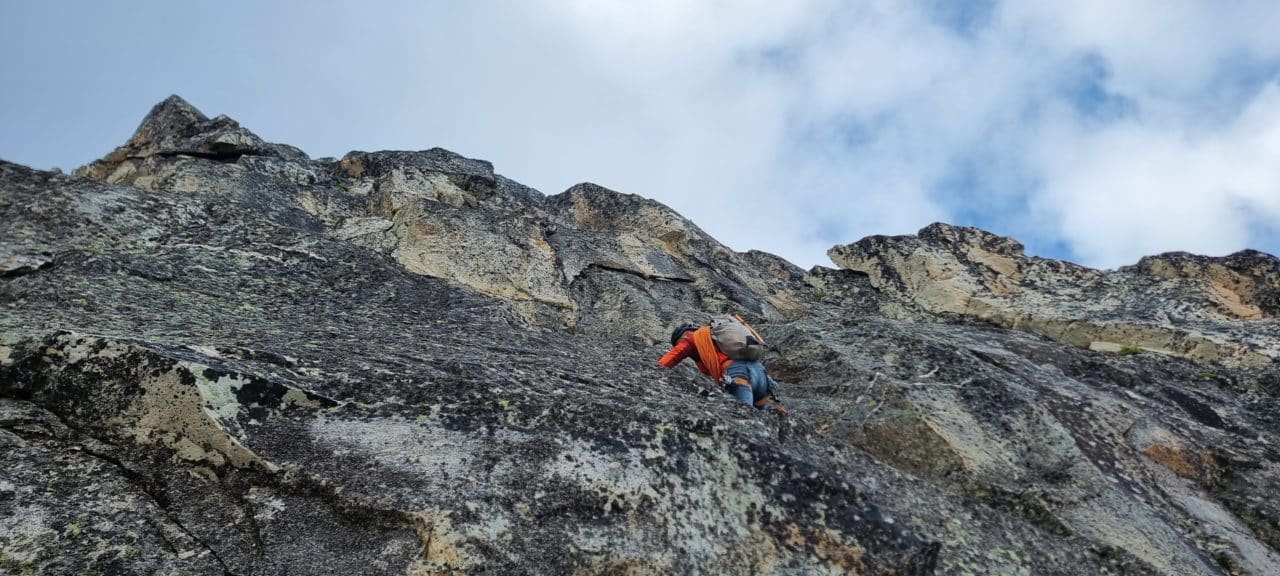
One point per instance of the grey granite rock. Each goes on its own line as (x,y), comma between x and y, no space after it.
(1203,308)
(220,356)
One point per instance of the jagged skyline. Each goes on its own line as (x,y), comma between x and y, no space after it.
(1093,133)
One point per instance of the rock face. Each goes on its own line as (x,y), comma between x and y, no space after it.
(221,356)
(1180,304)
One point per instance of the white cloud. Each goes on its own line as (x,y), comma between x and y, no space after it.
(822,122)
(1160,49)
(1135,189)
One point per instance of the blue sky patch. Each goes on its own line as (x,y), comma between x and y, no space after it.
(1238,79)
(1085,87)
(963,17)
(1264,233)
(972,196)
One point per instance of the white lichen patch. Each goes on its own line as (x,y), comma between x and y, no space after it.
(408,446)
(21,531)
(6,356)
(101,204)
(493,526)
(265,505)
(209,351)
(77,348)
(437,456)
(219,395)
(621,478)
(713,492)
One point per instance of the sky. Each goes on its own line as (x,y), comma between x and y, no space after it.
(1089,130)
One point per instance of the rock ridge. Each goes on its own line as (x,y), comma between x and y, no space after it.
(221,356)
(1192,306)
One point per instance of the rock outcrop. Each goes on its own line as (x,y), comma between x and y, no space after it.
(1192,306)
(220,356)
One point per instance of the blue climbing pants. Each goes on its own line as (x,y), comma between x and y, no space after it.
(754,373)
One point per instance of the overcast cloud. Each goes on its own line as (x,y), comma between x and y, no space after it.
(1094,131)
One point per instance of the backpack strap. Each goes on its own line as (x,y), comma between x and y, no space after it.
(749,328)
(708,353)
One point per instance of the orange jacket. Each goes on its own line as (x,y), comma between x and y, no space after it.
(686,348)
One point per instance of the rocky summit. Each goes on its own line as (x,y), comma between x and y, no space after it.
(221,356)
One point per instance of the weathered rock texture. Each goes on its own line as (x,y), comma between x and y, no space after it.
(220,356)
(1191,306)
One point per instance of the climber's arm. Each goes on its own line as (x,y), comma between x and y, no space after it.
(683,349)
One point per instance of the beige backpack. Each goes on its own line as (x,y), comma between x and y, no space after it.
(737,339)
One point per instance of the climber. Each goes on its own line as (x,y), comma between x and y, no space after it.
(742,377)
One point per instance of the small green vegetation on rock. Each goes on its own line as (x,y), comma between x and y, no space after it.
(1129,350)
